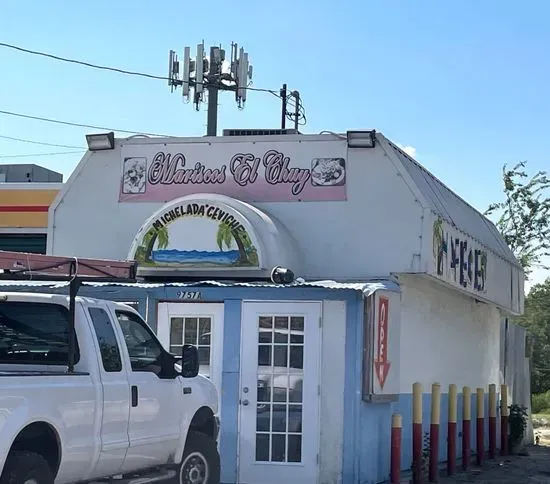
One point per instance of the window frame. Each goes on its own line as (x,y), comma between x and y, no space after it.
(116,338)
(64,310)
(158,366)
(197,344)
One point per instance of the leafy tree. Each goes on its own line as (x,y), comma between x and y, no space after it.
(536,319)
(524,222)
(524,215)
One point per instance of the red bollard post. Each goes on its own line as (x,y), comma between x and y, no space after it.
(434,432)
(466,417)
(451,431)
(480,434)
(504,414)
(395,459)
(492,421)
(417,434)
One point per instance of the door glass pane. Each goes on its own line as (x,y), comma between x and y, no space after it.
(280,375)
(108,344)
(193,331)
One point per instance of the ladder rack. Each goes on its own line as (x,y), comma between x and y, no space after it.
(16,266)
(20,265)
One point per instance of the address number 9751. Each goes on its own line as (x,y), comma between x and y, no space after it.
(188,295)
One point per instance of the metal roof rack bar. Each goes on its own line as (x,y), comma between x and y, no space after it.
(47,267)
(38,267)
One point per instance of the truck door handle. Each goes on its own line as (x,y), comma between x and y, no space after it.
(134,395)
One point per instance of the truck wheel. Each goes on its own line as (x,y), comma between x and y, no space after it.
(26,468)
(201,461)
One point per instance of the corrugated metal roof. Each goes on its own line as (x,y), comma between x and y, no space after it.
(453,209)
(366,288)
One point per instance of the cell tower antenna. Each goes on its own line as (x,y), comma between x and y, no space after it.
(206,75)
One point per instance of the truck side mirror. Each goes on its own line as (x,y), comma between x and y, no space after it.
(189,361)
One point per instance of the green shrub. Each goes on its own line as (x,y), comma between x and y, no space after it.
(540,402)
(518,423)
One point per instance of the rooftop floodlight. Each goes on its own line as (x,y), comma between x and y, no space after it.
(101,141)
(361,139)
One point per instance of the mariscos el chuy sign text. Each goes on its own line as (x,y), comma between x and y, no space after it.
(150,174)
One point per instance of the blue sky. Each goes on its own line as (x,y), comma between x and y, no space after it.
(464,83)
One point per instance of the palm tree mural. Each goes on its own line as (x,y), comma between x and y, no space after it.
(224,236)
(247,252)
(145,249)
(439,245)
(158,239)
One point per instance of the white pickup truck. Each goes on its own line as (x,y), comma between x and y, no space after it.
(127,410)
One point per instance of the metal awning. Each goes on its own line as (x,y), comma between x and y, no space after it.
(366,287)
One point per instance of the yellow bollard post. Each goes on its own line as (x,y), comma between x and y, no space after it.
(466,426)
(492,421)
(434,432)
(451,431)
(480,437)
(504,414)
(417,433)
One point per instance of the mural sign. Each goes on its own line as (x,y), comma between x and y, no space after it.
(195,235)
(260,172)
(458,259)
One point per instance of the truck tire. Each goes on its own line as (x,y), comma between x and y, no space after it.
(24,467)
(201,461)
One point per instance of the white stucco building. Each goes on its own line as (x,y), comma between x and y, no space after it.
(401,281)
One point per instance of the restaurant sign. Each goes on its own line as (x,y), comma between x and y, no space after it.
(260,172)
(458,259)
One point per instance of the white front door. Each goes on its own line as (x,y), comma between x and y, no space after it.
(198,324)
(279,402)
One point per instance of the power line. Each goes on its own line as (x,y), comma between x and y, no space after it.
(43,154)
(34,142)
(82,63)
(78,125)
(108,68)
(291,116)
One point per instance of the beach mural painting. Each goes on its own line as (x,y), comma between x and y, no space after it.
(195,235)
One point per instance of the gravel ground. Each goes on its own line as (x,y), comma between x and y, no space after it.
(532,468)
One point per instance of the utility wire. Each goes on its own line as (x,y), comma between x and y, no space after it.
(43,154)
(108,68)
(78,125)
(34,142)
(82,63)
(291,116)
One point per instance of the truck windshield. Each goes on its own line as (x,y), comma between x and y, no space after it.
(34,333)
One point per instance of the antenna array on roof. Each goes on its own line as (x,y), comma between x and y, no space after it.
(212,74)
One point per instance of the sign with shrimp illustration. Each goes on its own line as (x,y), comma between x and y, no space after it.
(251,172)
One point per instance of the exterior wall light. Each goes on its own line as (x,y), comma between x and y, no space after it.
(361,139)
(100,142)
(281,275)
